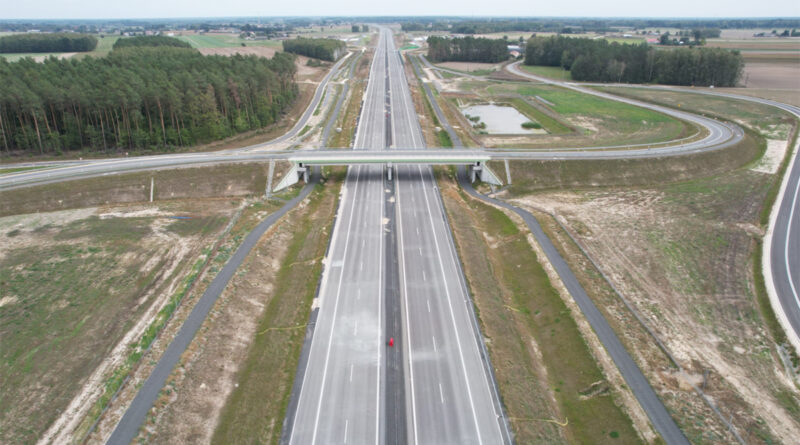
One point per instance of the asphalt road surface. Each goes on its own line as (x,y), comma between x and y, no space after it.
(339,400)
(452,396)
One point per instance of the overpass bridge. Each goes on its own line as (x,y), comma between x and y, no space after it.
(475,160)
(724,135)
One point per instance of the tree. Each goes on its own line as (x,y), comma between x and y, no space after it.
(139,98)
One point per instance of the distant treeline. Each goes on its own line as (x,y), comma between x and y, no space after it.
(467,49)
(128,42)
(576,25)
(47,43)
(139,98)
(599,60)
(325,49)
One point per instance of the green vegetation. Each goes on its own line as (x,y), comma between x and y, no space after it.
(254,411)
(150,41)
(444,138)
(552,72)
(620,122)
(517,306)
(4,171)
(552,125)
(324,49)
(531,125)
(467,49)
(769,121)
(47,43)
(139,98)
(599,60)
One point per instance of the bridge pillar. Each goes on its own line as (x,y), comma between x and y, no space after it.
(481,171)
(293,176)
(389,169)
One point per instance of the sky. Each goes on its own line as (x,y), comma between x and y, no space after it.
(98,9)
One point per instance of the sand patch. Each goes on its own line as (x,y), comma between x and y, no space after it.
(771,161)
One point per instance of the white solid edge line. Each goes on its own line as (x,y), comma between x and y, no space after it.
(323,288)
(766,251)
(335,309)
(452,313)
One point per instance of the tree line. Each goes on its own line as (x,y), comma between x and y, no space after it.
(139,98)
(47,43)
(325,49)
(467,49)
(459,25)
(151,41)
(599,60)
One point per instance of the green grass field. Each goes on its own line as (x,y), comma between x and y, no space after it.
(552,72)
(769,121)
(607,122)
(211,41)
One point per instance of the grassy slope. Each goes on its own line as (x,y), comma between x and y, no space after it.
(255,410)
(546,373)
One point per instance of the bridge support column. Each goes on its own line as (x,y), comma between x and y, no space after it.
(508,172)
(268,190)
(389,169)
(293,176)
(481,171)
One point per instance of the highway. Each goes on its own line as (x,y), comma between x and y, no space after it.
(452,396)
(339,400)
(446,382)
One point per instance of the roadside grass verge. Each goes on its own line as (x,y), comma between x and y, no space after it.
(4,171)
(254,411)
(550,383)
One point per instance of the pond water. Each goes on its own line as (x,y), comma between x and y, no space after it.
(501,119)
